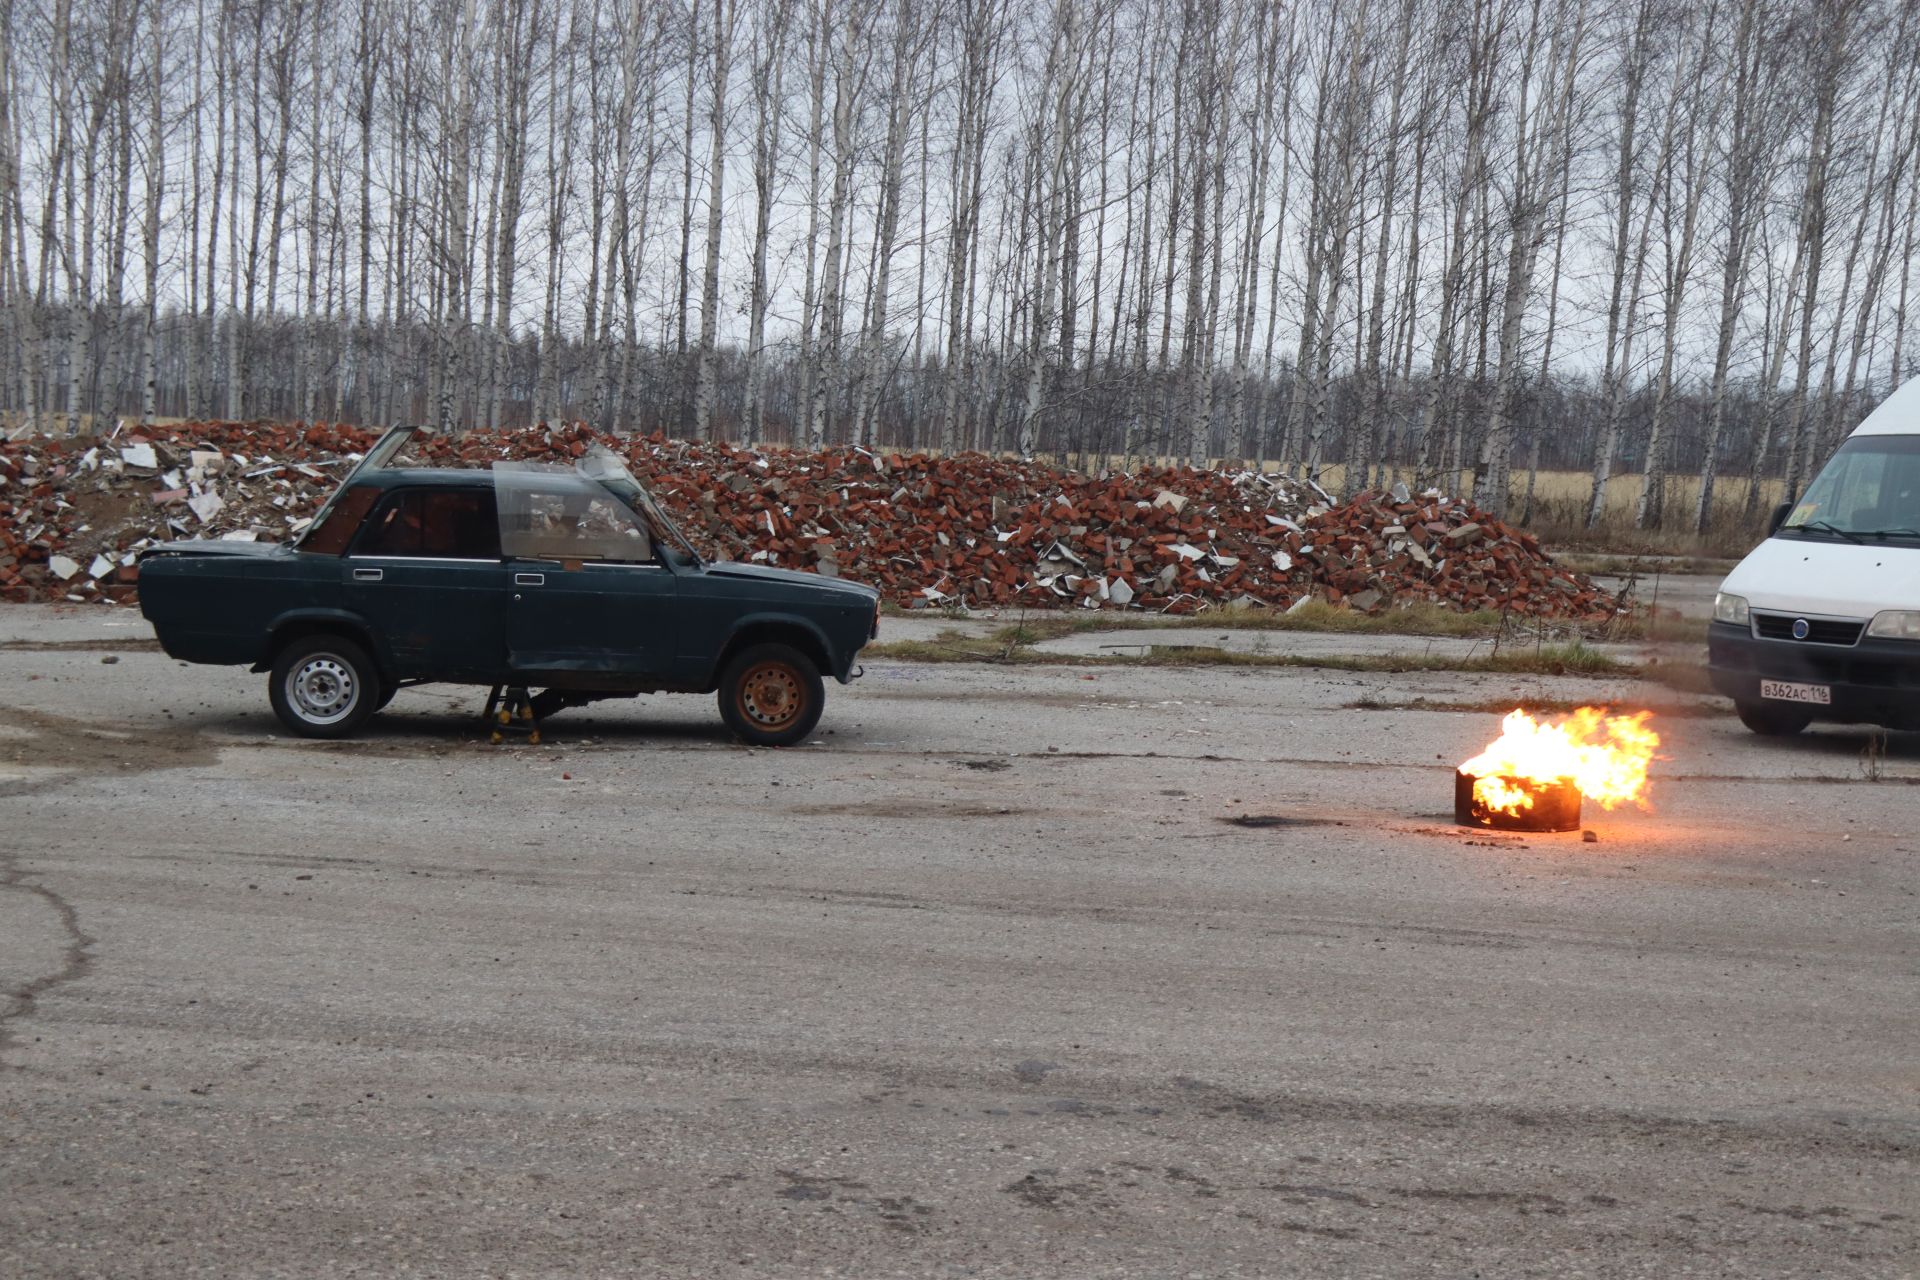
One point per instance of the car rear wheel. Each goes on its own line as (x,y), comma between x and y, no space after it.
(771,695)
(323,686)
(1772,720)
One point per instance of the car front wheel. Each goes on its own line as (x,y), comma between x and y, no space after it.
(1772,720)
(323,687)
(771,695)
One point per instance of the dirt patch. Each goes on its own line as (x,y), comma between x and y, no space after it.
(59,743)
(129,645)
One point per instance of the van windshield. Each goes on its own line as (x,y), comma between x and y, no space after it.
(1868,491)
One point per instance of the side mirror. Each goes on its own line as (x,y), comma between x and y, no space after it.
(1779,518)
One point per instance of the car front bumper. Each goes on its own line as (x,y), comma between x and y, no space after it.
(1873,682)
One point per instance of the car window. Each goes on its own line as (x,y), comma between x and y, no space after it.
(556,515)
(456,524)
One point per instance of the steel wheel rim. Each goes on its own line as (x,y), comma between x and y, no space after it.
(771,695)
(322,689)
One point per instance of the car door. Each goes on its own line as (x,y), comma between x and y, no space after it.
(426,572)
(589,596)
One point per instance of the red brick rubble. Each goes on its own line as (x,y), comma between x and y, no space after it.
(930,532)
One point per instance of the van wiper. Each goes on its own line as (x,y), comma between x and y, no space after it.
(1884,534)
(1825,526)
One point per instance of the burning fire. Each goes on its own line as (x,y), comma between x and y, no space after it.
(1605,757)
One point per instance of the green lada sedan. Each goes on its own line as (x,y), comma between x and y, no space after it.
(569,580)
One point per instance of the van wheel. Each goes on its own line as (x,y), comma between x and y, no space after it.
(771,695)
(323,686)
(1772,721)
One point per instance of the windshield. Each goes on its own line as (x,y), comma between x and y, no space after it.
(1869,490)
(603,466)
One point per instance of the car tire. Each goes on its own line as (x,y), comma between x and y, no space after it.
(1772,721)
(323,686)
(771,695)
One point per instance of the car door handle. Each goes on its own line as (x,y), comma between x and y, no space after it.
(369,575)
(529,579)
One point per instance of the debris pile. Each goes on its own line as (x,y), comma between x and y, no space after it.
(75,513)
(931,532)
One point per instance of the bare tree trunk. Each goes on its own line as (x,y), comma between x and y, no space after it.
(1537,164)
(723,20)
(1742,184)
(980,23)
(1879,248)
(1678,268)
(1620,303)
(819,54)
(769,64)
(1049,155)
(156,177)
(903,102)
(1373,410)
(1315,251)
(682,303)
(1833,52)
(1483,40)
(850,71)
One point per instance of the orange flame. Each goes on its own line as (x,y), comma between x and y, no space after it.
(1605,756)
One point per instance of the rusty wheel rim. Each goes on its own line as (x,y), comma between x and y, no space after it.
(770,696)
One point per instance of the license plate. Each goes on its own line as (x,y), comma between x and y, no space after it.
(1784,691)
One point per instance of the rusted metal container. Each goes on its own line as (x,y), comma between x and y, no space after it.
(1556,807)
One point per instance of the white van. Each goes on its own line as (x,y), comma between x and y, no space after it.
(1822,620)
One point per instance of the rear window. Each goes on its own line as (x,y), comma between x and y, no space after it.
(339,520)
(446,524)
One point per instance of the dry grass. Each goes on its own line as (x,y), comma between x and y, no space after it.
(1416,619)
(1617,565)
(1559,513)
(1012,646)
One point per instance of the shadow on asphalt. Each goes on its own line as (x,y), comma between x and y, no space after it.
(445,729)
(1832,741)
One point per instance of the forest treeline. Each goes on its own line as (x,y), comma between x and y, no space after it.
(1407,236)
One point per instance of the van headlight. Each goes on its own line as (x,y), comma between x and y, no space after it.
(1896,624)
(1728,608)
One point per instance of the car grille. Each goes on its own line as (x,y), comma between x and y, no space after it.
(1779,626)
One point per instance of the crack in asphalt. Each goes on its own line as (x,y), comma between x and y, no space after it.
(65,750)
(75,960)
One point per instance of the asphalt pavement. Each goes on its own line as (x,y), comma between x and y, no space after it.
(1015,972)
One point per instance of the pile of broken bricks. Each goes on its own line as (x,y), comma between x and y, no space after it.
(963,531)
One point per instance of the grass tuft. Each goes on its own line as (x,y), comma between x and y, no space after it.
(1572,658)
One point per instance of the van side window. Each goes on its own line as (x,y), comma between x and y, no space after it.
(450,524)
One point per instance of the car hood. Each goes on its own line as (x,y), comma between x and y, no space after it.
(216,547)
(794,578)
(1841,579)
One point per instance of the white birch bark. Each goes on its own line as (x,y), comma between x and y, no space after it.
(724,12)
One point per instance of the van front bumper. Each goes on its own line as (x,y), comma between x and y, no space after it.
(1873,682)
